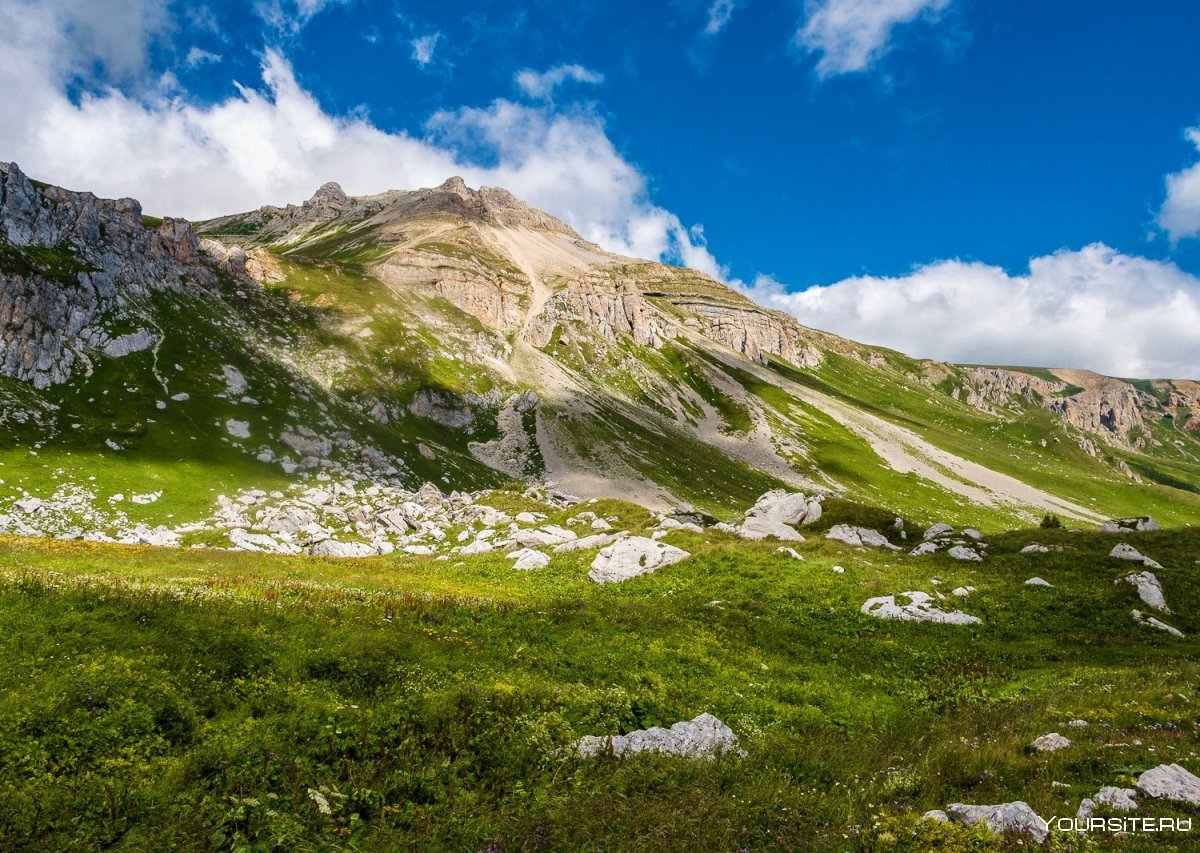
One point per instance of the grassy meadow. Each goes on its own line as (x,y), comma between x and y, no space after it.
(158,699)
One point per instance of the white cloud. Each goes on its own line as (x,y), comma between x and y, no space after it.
(541,84)
(198,56)
(273,143)
(852,34)
(291,16)
(719,13)
(1180,213)
(1093,308)
(423,48)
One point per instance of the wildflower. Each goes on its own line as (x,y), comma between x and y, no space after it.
(322,803)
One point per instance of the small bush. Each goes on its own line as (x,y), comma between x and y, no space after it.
(1051,522)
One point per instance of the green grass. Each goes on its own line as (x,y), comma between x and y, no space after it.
(191,700)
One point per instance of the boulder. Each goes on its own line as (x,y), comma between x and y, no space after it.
(631,557)
(1038,582)
(918,609)
(1051,742)
(938,530)
(777,513)
(1143,523)
(1035,549)
(29,505)
(790,552)
(1149,590)
(923,549)
(527,559)
(962,552)
(1170,782)
(1155,623)
(1016,817)
(238,429)
(1128,552)
(334,548)
(859,536)
(1117,799)
(596,540)
(703,737)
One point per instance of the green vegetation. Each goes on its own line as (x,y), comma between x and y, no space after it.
(151,221)
(57,263)
(158,699)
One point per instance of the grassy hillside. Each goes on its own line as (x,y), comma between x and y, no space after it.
(167,699)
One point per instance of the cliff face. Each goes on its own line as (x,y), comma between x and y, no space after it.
(1110,409)
(70,264)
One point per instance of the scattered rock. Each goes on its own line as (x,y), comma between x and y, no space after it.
(527,558)
(238,429)
(29,505)
(1155,623)
(1128,552)
(962,591)
(1038,582)
(1077,724)
(1035,548)
(1118,799)
(703,737)
(972,533)
(1149,590)
(235,384)
(936,815)
(962,552)
(938,530)
(918,609)
(1051,742)
(1015,817)
(631,557)
(923,549)
(776,513)
(1170,782)
(859,536)
(1143,523)
(791,552)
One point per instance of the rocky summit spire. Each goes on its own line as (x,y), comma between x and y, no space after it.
(330,197)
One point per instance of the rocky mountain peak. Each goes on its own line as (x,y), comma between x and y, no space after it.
(331,197)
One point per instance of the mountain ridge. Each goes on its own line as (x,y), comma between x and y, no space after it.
(467,326)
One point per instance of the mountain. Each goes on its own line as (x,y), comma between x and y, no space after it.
(465,338)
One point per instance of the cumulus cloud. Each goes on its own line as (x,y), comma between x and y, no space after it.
(541,84)
(1180,213)
(290,15)
(719,14)
(852,34)
(1095,308)
(423,48)
(272,142)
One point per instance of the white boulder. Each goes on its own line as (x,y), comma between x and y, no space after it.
(703,737)
(919,608)
(1170,782)
(628,558)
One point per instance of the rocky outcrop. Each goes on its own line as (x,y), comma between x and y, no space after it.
(920,607)
(70,265)
(752,331)
(1016,817)
(703,737)
(612,307)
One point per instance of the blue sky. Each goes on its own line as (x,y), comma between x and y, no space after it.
(964,180)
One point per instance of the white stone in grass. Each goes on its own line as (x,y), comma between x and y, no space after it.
(1035,548)
(1015,817)
(938,530)
(919,608)
(1128,552)
(961,552)
(148,498)
(936,815)
(1038,582)
(235,384)
(631,557)
(1149,590)
(596,540)
(1155,623)
(29,505)
(962,591)
(1077,724)
(479,546)
(334,548)
(923,549)
(1170,782)
(1117,799)
(859,536)
(972,533)
(238,429)
(703,737)
(838,570)
(790,552)
(1051,742)
(527,559)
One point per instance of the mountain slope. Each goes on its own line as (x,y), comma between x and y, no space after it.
(465,338)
